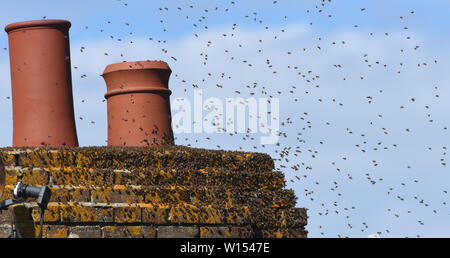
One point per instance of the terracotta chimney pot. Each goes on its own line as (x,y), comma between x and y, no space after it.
(41,83)
(138,103)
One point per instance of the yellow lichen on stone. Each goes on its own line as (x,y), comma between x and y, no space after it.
(153,197)
(7,158)
(51,214)
(229,202)
(184,213)
(283,220)
(129,214)
(53,232)
(210,215)
(135,231)
(74,212)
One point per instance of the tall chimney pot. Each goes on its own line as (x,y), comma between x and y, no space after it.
(41,84)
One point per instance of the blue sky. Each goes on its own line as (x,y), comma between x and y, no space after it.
(335,174)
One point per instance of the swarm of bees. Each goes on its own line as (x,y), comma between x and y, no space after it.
(363,132)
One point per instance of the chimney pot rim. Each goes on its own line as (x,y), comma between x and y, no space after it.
(136,65)
(36,23)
